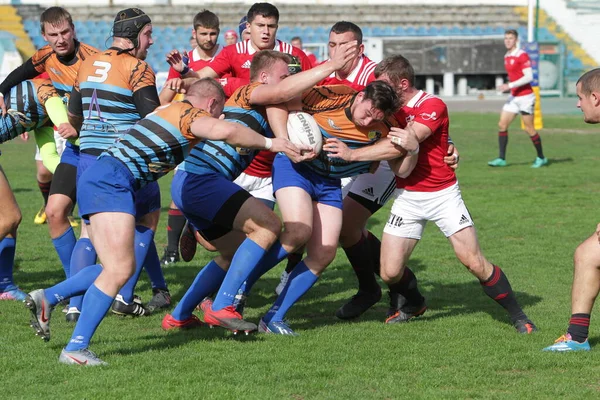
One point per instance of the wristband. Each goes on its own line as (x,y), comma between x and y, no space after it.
(268,143)
(415,151)
(185,70)
(1,95)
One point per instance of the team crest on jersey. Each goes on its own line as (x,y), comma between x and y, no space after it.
(55,71)
(374,135)
(409,118)
(429,117)
(333,125)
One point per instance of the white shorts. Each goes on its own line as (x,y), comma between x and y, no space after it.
(60,146)
(411,211)
(374,188)
(261,188)
(520,104)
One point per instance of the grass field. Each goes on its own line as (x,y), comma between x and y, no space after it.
(529,222)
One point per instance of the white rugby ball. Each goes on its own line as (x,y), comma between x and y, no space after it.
(303,129)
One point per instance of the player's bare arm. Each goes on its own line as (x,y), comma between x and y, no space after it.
(294,85)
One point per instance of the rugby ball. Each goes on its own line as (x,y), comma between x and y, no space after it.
(303,129)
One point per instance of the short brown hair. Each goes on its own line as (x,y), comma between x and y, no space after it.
(265,59)
(383,97)
(55,16)
(396,68)
(512,32)
(590,82)
(206,19)
(207,87)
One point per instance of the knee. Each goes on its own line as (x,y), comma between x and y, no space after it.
(121,275)
(477,265)
(297,235)
(502,126)
(55,213)
(581,258)
(10,222)
(391,275)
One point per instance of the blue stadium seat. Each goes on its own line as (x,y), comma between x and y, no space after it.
(367,31)
(444,31)
(455,31)
(467,31)
(477,31)
(422,31)
(410,31)
(433,31)
(319,30)
(284,30)
(399,31)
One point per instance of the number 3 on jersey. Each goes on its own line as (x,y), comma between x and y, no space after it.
(101,73)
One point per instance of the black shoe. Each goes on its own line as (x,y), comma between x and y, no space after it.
(525,326)
(135,308)
(401,311)
(161,298)
(73,315)
(358,304)
(169,257)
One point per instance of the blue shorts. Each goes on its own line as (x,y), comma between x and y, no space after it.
(147,199)
(321,189)
(70,155)
(208,199)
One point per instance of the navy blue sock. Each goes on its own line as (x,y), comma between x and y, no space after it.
(95,305)
(75,285)
(64,245)
(299,282)
(207,281)
(84,255)
(143,237)
(246,259)
(273,257)
(153,269)
(7,261)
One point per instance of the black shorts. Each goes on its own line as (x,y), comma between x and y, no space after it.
(64,181)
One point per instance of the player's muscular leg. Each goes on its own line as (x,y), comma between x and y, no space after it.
(322,245)
(149,220)
(395,252)
(297,212)
(58,209)
(586,276)
(10,214)
(112,235)
(257,221)
(467,250)
(506,118)
(227,245)
(355,217)
(42,173)
(529,125)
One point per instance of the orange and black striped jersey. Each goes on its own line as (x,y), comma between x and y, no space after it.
(106,83)
(158,142)
(330,107)
(62,70)
(241,98)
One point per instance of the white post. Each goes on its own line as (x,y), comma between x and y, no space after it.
(530,19)
(462,86)
(430,85)
(448,84)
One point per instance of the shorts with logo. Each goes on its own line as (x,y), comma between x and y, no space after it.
(60,146)
(520,104)
(147,199)
(372,191)
(210,202)
(411,211)
(320,188)
(261,188)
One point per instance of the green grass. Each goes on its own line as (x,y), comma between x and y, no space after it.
(528,221)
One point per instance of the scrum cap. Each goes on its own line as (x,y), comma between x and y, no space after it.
(129,23)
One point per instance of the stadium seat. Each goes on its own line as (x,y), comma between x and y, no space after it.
(399,31)
(410,31)
(422,31)
(455,31)
(433,31)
